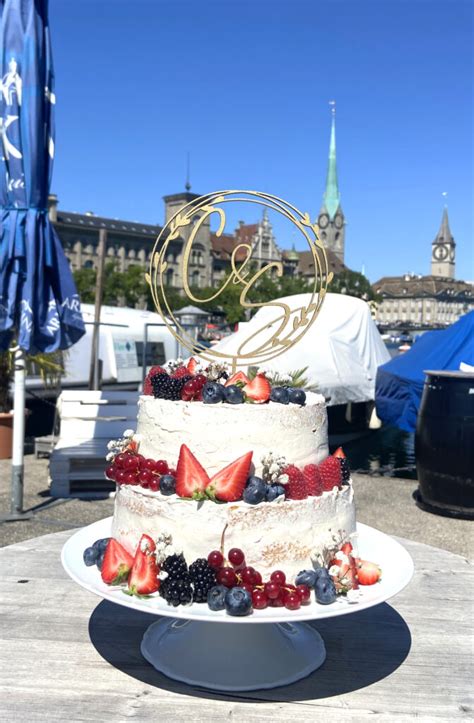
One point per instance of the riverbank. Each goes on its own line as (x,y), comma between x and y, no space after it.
(382,502)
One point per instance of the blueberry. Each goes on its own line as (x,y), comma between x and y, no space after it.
(100,545)
(324,590)
(212,393)
(274,491)
(238,601)
(100,560)
(255,491)
(253,480)
(89,556)
(297,396)
(167,484)
(216,597)
(280,395)
(233,394)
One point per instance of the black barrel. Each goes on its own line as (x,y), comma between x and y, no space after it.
(444,444)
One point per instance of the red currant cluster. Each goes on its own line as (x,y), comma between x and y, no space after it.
(192,390)
(134,469)
(275,592)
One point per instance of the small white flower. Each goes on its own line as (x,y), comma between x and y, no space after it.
(109,457)
(128,434)
(341,556)
(162,575)
(283,479)
(274,468)
(112,444)
(334,570)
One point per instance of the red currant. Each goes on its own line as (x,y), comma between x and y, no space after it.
(304,593)
(248,575)
(110,471)
(145,477)
(161,467)
(226,576)
(259,600)
(131,478)
(120,460)
(200,380)
(247,587)
(154,484)
(215,559)
(290,588)
(120,476)
(278,602)
(292,601)
(190,387)
(257,577)
(172,472)
(272,590)
(278,576)
(130,463)
(236,557)
(149,464)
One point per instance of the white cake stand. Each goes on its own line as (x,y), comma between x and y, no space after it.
(245,653)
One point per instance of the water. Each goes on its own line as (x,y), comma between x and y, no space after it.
(387,451)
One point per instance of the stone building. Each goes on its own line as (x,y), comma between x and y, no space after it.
(436,300)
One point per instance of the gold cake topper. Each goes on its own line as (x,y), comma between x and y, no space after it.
(291,323)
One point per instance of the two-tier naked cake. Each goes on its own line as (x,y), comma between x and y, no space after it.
(221,462)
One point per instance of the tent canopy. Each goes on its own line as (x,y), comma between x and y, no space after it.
(399,384)
(342,349)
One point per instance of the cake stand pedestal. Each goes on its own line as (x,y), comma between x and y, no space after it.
(233,657)
(266,649)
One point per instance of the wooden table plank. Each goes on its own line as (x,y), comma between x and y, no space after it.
(67,656)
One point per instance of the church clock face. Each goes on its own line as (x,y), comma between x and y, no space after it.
(451,255)
(323,220)
(440,253)
(338,221)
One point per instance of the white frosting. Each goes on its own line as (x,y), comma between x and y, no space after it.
(217,434)
(284,534)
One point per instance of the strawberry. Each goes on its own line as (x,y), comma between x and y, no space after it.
(191,478)
(368,573)
(191,366)
(345,469)
(331,475)
(143,577)
(295,488)
(228,484)
(258,390)
(117,563)
(314,483)
(237,377)
(180,372)
(147,388)
(346,576)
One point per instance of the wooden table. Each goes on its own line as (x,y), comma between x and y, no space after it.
(67,656)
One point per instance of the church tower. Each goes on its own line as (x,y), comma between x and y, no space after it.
(331,220)
(443,250)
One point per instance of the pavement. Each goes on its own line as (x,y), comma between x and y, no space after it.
(385,503)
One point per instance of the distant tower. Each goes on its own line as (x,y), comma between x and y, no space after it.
(331,220)
(443,250)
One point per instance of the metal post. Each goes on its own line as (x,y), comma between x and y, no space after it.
(94,367)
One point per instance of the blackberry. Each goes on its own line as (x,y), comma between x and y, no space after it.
(166,387)
(203,578)
(345,469)
(177,592)
(176,567)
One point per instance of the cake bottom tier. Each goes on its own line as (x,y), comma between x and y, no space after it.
(284,534)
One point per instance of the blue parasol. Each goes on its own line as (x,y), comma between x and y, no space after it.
(39,305)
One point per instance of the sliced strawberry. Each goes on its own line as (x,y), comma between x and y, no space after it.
(192,366)
(331,474)
(143,577)
(368,573)
(237,377)
(228,484)
(147,388)
(347,548)
(191,478)
(354,572)
(117,563)
(258,390)
(339,453)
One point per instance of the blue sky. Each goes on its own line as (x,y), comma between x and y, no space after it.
(244,86)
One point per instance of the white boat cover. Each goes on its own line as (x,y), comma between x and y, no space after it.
(342,349)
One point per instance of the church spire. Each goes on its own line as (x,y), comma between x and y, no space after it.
(331,194)
(443,253)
